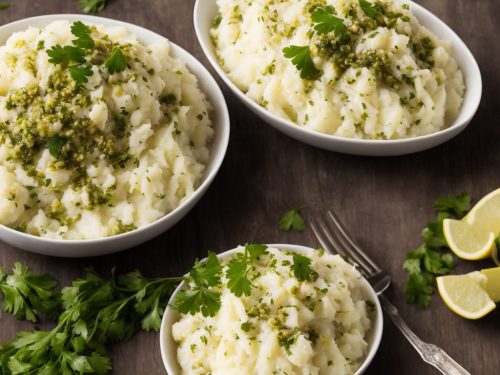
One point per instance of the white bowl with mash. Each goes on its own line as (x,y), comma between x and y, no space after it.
(282,324)
(106,143)
(427,96)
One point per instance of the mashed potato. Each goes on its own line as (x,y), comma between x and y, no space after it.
(378,75)
(96,144)
(285,326)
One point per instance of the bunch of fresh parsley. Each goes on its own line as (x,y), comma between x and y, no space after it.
(432,258)
(93,312)
(74,57)
(92,6)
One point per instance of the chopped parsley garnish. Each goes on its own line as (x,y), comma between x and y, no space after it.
(246,327)
(292,219)
(116,62)
(240,267)
(432,258)
(326,22)
(369,9)
(201,296)
(92,6)
(301,58)
(55,145)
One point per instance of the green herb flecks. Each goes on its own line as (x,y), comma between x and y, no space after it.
(301,58)
(432,258)
(116,62)
(326,21)
(292,219)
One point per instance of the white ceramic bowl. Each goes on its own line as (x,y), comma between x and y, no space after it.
(168,346)
(206,10)
(107,245)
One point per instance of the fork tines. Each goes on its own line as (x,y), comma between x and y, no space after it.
(334,239)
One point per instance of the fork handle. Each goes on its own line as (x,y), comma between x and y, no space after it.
(430,353)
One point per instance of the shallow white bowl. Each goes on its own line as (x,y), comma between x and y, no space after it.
(168,346)
(107,245)
(206,10)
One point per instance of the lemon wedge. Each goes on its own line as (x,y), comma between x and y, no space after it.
(466,294)
(468,241)
(473,237)
(492,285)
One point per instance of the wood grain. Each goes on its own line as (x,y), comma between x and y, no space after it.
(386,201)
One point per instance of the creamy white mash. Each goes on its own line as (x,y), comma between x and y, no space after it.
(286,326)
(362,69)
(96,144)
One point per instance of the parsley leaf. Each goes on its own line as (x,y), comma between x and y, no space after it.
(199,297)
(80,73)
(326,22)
(116,62)
(292,219)
(369,9)
(301,58)
(64,55)
(82,33)
(27,295)
(457,205)
(301,267)
(4,6)
(241,266)
(92,6)
(419,289)
(55,145)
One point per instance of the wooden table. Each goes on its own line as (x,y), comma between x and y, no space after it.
(387,201)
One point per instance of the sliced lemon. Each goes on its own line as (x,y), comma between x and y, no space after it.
(492,285)
(487,208)
(494,255)
(468,241)
(465,294)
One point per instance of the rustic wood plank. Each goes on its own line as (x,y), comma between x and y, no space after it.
(386,200)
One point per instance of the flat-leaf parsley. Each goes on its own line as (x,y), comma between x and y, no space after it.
(301,58)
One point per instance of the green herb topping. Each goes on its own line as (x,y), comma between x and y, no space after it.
(301,58)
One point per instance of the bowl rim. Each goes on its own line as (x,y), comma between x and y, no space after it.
(319,136)
(216,158)
(377,327)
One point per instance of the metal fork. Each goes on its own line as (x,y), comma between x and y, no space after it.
(334,239)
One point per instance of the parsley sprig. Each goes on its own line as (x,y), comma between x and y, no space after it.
(201,295)
(73,57)
(302,268)
(240,267)
(326,21)
(26,295)
(96,311)
(116,62)
(432,258)
(301,58)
